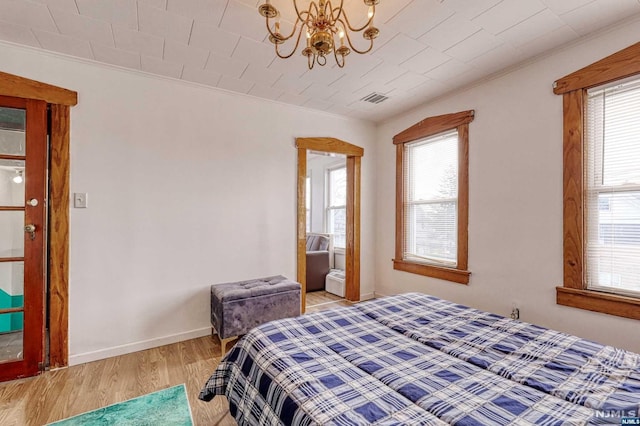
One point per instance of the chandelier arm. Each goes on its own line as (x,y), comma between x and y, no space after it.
(332,9)
(295,5)
(294,48)
(308,12)
(329,15)
(281,37)
(356,49)
(341,10)
(357,30)
(295,25)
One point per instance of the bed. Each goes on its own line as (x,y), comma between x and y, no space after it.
(418,360)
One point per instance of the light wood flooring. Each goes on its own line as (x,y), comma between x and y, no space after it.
(320,300)
(59,394)
(62,393)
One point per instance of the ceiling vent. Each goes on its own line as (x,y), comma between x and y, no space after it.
(375,98)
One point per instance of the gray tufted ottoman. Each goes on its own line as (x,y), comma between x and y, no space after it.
(240,306)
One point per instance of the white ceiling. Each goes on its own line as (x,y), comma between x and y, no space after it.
(425,48)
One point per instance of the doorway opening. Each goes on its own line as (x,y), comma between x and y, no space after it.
(326,225)
(330,160)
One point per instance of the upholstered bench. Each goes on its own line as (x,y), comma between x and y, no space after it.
(240,306)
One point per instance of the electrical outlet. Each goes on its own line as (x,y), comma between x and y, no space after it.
(80,200)
(515,313)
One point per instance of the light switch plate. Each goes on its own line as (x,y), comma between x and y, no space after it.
(80,200)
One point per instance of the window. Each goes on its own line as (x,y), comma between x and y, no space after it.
(307,202)
(612,184)
(336,222)
(602,186)
(432,197)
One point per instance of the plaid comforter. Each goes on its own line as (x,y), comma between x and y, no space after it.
(414,359)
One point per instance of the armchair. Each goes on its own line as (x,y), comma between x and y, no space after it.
(319,254)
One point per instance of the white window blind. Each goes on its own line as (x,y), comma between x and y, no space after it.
(612,197)
(337,206)
(431,200)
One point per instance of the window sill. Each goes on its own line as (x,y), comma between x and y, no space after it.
(612,304)
(449,274)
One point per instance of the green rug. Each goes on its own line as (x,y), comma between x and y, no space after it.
(166,407)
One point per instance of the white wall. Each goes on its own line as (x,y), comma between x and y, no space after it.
(515,207)
(188,186)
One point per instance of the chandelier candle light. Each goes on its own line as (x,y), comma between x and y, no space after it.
(321,23)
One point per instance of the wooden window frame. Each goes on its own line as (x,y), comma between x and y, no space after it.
(573,88)
(428,127)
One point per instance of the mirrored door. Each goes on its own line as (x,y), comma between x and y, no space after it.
(22,232)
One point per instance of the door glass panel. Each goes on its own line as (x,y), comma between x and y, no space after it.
(11,234)
(11,183)
(12,142)
(11,285)
(12,131)
(11,336)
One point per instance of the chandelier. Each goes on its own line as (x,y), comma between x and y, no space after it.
(321,23)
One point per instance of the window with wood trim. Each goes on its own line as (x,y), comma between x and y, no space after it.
(307,202)
(432,197)
(602,186)
(336,210)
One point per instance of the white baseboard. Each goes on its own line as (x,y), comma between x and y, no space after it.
(367,296)
(137,346)
(378,294)
(159,341)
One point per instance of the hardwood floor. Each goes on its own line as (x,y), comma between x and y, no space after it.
(59,394)
(320,300)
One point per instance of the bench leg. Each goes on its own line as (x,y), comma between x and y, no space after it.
(223,344)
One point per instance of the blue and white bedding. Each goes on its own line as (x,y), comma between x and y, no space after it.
(414,359)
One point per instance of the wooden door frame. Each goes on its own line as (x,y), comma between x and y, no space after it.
(354,155)
(60,102)
(33,258)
